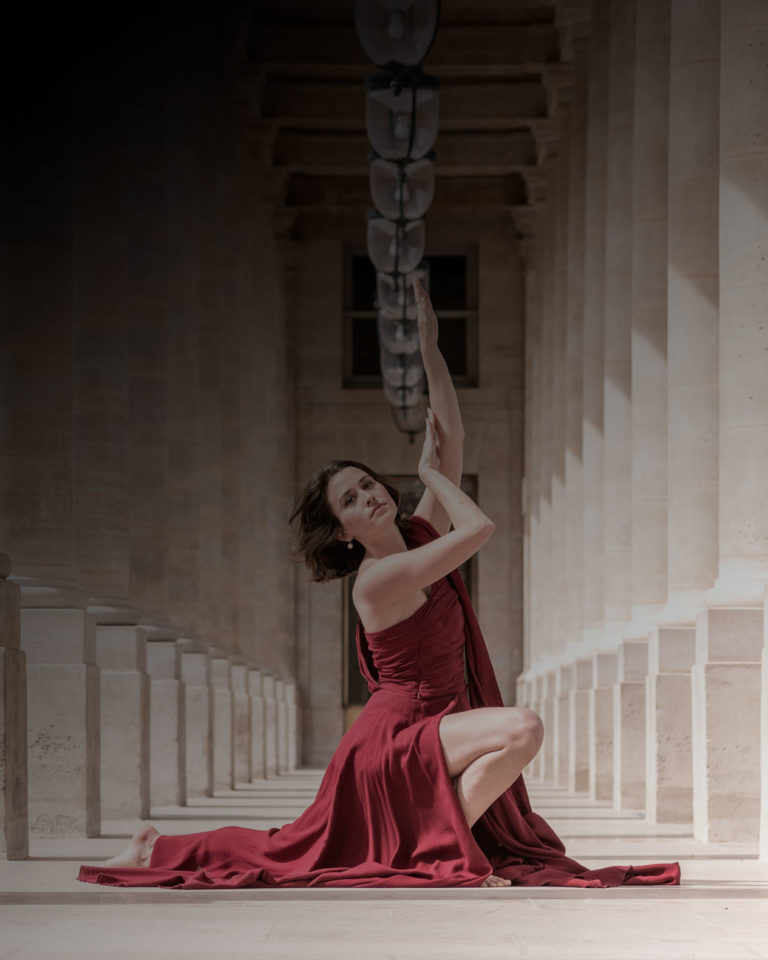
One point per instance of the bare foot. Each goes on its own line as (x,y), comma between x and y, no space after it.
(494,881)
(139,851)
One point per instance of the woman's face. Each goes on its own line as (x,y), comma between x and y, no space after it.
(361,504)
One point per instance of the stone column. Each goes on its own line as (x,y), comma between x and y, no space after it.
(63,720)
(764,739)
(564,686)
(593,337)
(125,716)
(549,747)
(729,641)
(668,764)
(726,725)
(692,307)
(270,725)
(167,724)
(241,720)
(526,248)
(617,398)
(537,684)
(578,715)
(37,459)
(575,260)
(13,724)
(544,585)
(743,526)
(604,674)
(558,202)
(293,724)
(197,714)
(258,724)
(649,315)
(282,727)
(221,720)
(629,726)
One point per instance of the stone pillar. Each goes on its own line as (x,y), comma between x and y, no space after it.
(564,686)
(617,400)
(557,196)
(63,719)
(293,723)
(692,308)
(167,724)
(764,739)
(578,715)
(241,722)
(197,715)
(258,724)
(726,725)
(549,748)
(604,674)
(649,316)
(125,716)
(575,259)
(537,705)
(13,724)
(282,727)
(543,581)
(629,726)
(668,764)
(270,725)
(593,336)
(743,523)
(221,720)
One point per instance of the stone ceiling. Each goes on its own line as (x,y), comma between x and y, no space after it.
(503,78)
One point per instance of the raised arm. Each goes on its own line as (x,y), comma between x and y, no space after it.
(393,577)
(445,404)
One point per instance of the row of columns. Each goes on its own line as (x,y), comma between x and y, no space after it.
(645,658)
(130,721)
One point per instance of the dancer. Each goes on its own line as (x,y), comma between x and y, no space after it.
(425,789)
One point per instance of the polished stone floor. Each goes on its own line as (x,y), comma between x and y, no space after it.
(719,913)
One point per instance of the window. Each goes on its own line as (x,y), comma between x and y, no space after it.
(355,689)
(453,287)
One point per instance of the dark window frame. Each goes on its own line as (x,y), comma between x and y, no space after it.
(352,381)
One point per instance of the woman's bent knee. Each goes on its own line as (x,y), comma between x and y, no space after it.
(526,731)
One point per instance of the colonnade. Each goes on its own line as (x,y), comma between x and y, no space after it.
(138,721)
(147,452)
(646,550)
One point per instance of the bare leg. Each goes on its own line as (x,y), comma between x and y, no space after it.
(487,749)
(138,853)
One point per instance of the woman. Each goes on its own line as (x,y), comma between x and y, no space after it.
(425,788)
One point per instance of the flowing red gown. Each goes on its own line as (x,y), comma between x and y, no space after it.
(386,813)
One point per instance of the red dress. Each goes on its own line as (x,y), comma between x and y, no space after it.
(386,813)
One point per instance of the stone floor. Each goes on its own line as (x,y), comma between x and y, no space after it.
(719,913)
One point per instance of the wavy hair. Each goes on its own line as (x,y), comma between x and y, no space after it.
(317,528)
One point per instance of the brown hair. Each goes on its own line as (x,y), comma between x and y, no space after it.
(317,528)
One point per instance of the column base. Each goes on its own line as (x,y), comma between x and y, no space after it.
(14,844)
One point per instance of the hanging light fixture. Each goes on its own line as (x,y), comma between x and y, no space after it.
(396,32)
(401,115)
(394,292)
(402,190)
(402,118)
(395,246)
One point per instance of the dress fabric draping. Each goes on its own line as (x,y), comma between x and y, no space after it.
(386,813)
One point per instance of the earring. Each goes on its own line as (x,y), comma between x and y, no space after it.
(350,544)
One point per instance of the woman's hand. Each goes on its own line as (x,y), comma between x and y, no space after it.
(430,452)
(427,318)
